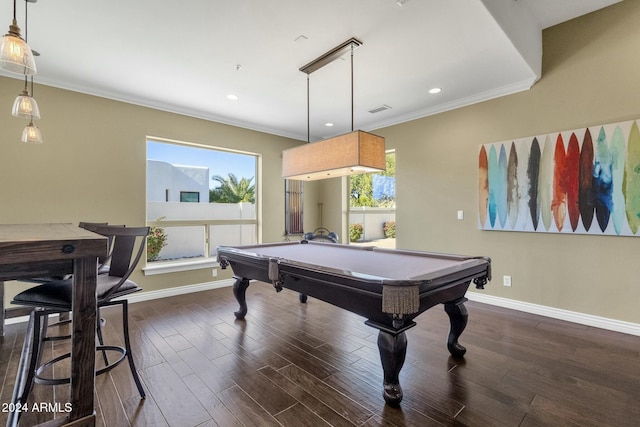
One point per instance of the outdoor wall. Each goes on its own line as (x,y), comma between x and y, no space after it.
(188,241)
(591,76)
(92,166)
(372,221)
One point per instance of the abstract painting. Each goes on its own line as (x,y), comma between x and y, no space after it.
(584,181)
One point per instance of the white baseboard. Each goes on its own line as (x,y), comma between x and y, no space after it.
(179,290)
(555,313)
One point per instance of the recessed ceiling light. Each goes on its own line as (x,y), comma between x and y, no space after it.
(232,97)
(435,90)
(328,124)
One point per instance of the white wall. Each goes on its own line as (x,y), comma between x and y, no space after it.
(188,241)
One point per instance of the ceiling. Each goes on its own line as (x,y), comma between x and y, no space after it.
(187,56)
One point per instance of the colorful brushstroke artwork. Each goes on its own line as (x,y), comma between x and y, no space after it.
(584,181)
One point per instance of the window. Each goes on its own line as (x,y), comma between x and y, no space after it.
(198,198)
(294,191)
(372,206)
(190,196)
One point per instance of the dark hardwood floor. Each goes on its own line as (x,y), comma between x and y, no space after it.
(292,364)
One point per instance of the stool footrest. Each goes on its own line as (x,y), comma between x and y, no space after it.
(57,381)
(57,337)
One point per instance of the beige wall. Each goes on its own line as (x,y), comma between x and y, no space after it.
(91,166)
(591,76)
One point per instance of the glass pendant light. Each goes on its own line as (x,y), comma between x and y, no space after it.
(15,53)
(25,106)
(31,134)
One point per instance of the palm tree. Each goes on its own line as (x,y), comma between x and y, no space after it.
(232,190)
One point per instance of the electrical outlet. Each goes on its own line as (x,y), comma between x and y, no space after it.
(214,272)
(460,214)
(506,280)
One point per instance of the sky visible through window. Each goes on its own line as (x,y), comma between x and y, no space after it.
(219,162)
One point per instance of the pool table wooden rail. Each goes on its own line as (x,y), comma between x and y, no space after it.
(376,298)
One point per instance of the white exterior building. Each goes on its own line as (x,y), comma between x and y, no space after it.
(176,183)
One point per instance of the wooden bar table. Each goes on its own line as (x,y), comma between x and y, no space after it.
(34,250)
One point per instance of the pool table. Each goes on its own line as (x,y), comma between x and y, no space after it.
(389,287)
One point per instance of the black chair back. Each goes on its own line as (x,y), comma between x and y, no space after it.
(127,247)
(103,261)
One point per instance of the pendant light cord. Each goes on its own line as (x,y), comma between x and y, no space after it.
(321,62)
(352,88)
(26,39)
(308,116)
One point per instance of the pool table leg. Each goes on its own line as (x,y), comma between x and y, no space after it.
(393,349)
(239,291)
(458,318)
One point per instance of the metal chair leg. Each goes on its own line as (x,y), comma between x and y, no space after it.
(31,349)
(127,344)
(39,331)
(101,340)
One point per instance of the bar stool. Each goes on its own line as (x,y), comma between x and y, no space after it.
(126,249)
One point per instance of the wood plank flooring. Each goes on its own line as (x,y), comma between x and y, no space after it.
(292,364)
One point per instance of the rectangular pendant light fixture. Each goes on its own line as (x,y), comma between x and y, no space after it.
(332,55)
(353,153)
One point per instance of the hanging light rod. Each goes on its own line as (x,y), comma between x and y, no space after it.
(331,56)
(26,29)
(353,153)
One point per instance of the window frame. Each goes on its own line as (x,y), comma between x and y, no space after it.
(365,211)
(208,260)
(189,193)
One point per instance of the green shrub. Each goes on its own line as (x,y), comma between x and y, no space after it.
(389,228)
(355,232)
(156,240)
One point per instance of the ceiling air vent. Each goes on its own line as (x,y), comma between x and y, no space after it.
(380,108)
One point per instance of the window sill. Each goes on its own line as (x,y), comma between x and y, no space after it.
(163,267)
